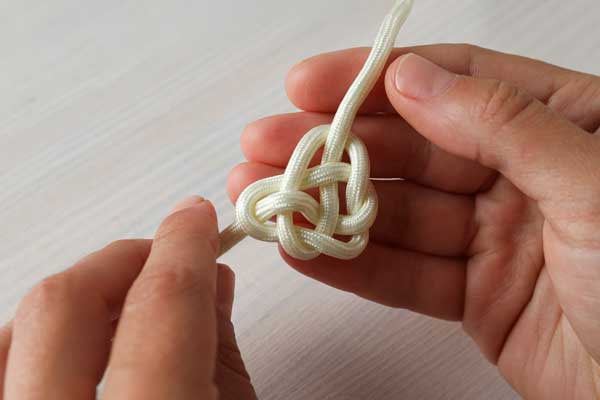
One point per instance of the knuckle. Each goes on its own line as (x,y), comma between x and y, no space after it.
(173,281)
(504,104)
(117,246)
(473,54)
(46,296)
(579,101)
(173,225)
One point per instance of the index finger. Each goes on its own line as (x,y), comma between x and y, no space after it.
(319,83)
(165,345)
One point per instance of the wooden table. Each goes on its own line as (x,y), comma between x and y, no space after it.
(112,110)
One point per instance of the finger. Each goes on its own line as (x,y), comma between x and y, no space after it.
(410,216)
(498,125)
(397,278)
(62,329)
(225,290)
(5,338)
(166,341)
(319,83)
(396,150)
(548,158)
(231,376)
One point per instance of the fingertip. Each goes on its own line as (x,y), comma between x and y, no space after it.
(210,208)
(247,173)
(416,77)
(391,75)
(268,140)
(198,203)
(251,139)
(319,83)
(272,140)
(297,83)
(236,182)
(194,216)
(187,202)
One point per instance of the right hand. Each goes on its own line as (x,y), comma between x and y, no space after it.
(497,222)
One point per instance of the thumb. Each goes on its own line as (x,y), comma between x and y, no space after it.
(547,157)
(496,124)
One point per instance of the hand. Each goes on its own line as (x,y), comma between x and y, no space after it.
(497,220)
(173,340)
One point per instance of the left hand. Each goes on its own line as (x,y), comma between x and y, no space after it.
(496,220)
(173,338)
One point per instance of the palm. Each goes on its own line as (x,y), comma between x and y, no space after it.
(511,308)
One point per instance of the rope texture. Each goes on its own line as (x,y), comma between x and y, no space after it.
(284,195)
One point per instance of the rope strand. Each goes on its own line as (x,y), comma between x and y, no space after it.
(284,195)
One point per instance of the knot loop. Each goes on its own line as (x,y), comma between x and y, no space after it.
(283,196)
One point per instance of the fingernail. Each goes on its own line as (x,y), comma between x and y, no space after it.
(419,78)
(187,203)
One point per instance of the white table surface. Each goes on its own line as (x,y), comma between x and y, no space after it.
(112,110)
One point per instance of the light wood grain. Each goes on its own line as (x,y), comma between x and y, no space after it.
(112,110)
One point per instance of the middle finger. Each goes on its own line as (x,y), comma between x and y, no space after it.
(410,216)
(396,150)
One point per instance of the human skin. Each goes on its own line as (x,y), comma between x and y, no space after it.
(497,220)
(495,224)
(173,338)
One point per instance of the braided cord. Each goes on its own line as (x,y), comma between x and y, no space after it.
(284,195)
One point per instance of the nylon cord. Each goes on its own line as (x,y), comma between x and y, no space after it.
(284,195)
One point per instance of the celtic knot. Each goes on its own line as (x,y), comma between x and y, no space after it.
(282,196)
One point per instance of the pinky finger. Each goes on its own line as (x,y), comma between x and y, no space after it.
(5,338)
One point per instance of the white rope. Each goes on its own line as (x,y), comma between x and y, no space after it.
(284,195)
